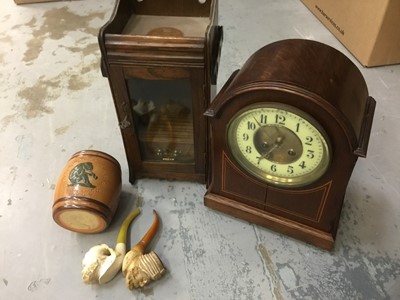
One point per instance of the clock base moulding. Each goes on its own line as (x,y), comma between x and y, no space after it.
(324,240)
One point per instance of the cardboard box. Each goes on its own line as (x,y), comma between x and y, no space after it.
(369,29)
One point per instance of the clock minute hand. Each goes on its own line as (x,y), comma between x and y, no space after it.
(258,123)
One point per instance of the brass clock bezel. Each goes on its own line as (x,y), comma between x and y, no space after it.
(281,181)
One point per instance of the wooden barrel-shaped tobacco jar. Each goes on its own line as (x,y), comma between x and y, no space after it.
(87,192)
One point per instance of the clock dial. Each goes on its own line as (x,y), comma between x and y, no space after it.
(279,144)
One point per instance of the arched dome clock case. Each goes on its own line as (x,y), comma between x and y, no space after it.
(286,132)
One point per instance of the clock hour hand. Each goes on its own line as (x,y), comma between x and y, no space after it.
(276,145)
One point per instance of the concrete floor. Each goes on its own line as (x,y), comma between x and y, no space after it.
(55,102)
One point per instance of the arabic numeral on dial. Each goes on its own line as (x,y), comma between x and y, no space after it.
(297,127)
(251,125)
(279,119)
(310,154)
(302,164)
(263,119)
(290,169)
(309,141)
(273,168)
(248,149)
(245,137)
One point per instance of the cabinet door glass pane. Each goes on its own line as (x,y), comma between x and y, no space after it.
(163,119)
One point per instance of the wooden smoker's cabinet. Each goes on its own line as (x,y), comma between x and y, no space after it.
(161,60)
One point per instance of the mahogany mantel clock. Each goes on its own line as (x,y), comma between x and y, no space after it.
(287,130)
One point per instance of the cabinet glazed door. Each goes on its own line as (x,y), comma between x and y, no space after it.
(157,109)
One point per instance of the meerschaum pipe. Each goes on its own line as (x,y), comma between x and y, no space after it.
(101,263)
(140,268)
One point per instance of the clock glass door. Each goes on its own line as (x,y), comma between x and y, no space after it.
(163,117)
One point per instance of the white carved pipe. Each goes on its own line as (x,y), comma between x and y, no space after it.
(101,263)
